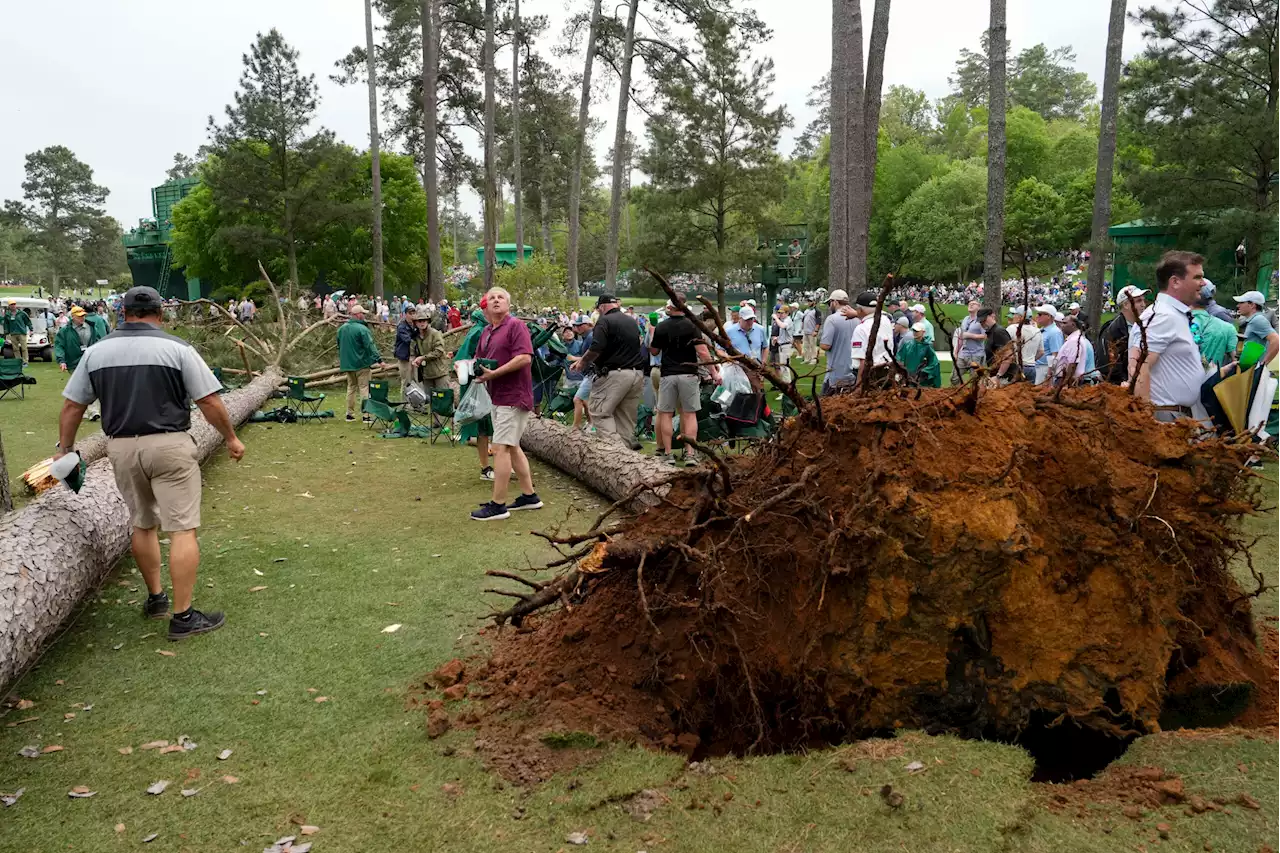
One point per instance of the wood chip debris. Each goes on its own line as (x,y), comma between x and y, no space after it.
(155,789)
(224,755)
(147,839)
(80,792)
(155,744)
(391,629)
(10,799)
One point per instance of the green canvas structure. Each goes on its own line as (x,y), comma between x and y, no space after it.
(1142,243)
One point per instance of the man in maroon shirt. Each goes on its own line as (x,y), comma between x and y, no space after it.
(510,385)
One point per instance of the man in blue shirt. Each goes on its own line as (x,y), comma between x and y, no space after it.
(1051,339)
(747,336)
(1256,328)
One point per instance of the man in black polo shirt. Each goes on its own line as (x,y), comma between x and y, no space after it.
(146,379)
(682,348)
(997,346)
(616,362)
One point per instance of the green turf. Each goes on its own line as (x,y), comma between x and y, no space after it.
(350,534)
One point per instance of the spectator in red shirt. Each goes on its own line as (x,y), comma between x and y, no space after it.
(455,317)
(510,385)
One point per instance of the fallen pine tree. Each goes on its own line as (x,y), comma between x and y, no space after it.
(1013,564)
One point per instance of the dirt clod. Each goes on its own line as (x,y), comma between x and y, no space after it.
(437,724)
(455,693)
(449,674)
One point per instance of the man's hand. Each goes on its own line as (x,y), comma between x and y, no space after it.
(235,449)
(417,360)
(847,312)
(62,367)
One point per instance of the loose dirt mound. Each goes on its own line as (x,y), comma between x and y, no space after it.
(986,566)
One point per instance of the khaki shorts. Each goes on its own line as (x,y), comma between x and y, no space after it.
(509,424)
(159,477)
(679,393)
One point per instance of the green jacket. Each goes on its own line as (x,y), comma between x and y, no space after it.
(1217,338)
(921,361)
(99,323)
(471,343)
(356,349)
(66,344)
(16,324)
(436,358)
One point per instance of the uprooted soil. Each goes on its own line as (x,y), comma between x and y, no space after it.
(1007,565)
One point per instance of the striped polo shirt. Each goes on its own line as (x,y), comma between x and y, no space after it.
(145,378)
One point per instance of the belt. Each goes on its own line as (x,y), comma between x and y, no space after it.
(1182,410)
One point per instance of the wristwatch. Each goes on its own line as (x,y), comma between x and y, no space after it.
(61,449)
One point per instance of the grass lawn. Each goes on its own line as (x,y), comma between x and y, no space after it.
(343,534)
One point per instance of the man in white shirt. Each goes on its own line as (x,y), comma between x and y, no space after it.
(864,308)
(1172,372)
(1027,337)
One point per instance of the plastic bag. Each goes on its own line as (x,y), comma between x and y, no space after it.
(734,379)
(475,405)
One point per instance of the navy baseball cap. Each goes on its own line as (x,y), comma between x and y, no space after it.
(142,297)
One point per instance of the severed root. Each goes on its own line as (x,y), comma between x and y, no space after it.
(545,594)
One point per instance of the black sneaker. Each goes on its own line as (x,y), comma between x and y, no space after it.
(635,445)
(490,511)
(486,473)
(351,418)
(195,623)
(526,502)
(156,606)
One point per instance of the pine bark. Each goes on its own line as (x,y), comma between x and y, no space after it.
(6,495)
(490,152)
(516,187)
(599,462)
(579,156)
(993,257)
(375,157)
(620,158)
(430,75)
(58,547)
(544,209)
(871,118)
(1099,243)
(838,233)
(855,162)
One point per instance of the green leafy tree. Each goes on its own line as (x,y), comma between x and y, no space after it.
(941,227)
(1203,101)
(183,167)
(711,161)
(900,171)
(906,115)
(60,207)
(1040,79)
(1034,218)
(1077,197)
(276,178)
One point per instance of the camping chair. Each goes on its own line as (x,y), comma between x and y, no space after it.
(406,419)
(441,413)
(308,404)
(644,423)
(12,380)
(226,384)
(393,423)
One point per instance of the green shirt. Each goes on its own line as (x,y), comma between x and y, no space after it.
(17,323)
(99,323)
(921,362)
(67,348)
(1217,338)
(356,349)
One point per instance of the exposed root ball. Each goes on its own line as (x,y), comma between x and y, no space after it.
(911,562)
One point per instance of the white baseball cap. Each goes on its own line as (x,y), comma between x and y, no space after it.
(1253,296)
(1130,290)
(1017,311)
(918,307)
(1059,317)
(1073,306)
(919,326)
(1047,309)
(746,313)
(837,296)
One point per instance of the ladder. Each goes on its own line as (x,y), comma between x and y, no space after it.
(163,281)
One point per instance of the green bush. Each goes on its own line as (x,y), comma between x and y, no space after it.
(534,284)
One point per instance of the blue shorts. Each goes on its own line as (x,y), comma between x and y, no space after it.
(584,388)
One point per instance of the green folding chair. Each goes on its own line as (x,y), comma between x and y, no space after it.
(441,413)
(393,424)
(380,389)
(226,384)
(13,382)
(297,394)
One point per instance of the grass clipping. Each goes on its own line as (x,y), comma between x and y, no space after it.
(943,560)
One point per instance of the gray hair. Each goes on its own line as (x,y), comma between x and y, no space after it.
(501,290)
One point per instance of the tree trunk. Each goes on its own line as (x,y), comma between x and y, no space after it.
(846,156)
(490,156)
(993,257)
(375,158)
(579,155)
(544,210)
(1099,243)
(871,117)
(6,495)
(598,461)
(855,162)
(293,263)
(619,151)
(516,189)
(57,548)
(430,74)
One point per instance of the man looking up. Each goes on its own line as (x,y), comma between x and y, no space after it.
(146,380)
(1114,341)
(510,385)
(1028,338)
(1171,373)
(748,336)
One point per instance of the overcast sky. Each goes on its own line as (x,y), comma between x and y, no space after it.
(125,85)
